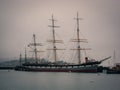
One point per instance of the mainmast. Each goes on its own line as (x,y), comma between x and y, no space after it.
(54,41)
(78,40)
(34,44)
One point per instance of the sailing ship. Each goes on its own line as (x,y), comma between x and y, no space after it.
(89,66)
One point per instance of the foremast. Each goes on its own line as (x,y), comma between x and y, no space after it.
(34,45)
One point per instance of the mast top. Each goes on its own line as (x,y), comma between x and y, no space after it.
(53,23)
(52,17)
(77,18)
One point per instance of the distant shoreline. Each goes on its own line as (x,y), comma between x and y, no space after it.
(6,68)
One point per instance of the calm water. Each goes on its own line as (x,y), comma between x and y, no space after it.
(15,80)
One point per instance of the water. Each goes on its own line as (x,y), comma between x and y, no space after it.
(16,80)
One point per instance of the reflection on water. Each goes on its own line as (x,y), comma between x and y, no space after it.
(16,80)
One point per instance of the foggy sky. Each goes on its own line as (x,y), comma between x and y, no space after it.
(20,19)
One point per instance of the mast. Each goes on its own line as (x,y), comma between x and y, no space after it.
(34,44)
(54,43)
(114,58)
(78,40)
(25,56)
(20,60)
(35,49)
(78,37)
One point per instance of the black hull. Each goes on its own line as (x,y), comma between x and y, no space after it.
(91,69)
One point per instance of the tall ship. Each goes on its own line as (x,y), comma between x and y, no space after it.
(88,66)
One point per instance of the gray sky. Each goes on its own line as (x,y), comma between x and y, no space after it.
(19,19)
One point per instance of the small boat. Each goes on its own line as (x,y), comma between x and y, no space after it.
(115,69)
